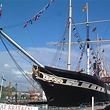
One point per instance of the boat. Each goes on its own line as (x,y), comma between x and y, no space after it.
(65,87)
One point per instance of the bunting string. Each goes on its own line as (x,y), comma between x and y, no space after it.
(77,35)
(81,55)
(38,15)
(95,62)
(81,46)
(0,10)
(94,29)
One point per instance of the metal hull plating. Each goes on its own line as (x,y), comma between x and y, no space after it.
(74,94)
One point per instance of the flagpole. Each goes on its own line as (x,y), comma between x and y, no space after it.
(88,39)
(2,79)
(87,15)
(1,88)
(69,35)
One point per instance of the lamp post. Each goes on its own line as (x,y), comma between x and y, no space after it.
(16,94)
(2,79)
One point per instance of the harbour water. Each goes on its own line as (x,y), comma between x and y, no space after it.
(46,107)
(4,106)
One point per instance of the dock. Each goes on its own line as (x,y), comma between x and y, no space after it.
(4,106)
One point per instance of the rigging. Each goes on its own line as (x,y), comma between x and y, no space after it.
(17,65)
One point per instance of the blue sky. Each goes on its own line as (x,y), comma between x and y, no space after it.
(49,27)
(51,24)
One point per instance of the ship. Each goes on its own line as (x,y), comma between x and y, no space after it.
(65,87)
(72,88)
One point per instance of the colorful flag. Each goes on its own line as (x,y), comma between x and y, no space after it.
(0,9)
(46,7)
(94,29)
(37,16)
(74,28)
(3,78)
(103,50)
(84,8)
(26,23)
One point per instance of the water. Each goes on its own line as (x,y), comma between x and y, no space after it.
(4,106)
(46,107)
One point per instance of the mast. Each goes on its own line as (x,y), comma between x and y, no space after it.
(88,39)
(69,35)
(19,48)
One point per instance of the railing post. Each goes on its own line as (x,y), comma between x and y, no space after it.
(92,103)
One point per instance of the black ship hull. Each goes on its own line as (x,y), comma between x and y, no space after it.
(73,90)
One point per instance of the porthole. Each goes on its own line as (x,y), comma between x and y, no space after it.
(90,85)
(80,83)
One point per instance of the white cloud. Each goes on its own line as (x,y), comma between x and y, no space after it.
(43,55)
(6,65)
(16,72)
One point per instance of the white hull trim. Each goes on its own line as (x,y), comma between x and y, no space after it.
(72,82)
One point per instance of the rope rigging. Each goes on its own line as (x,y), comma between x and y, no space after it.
(39,14)
(17,65)
(82,46)
(13,26)
(60,49)
(96,62)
